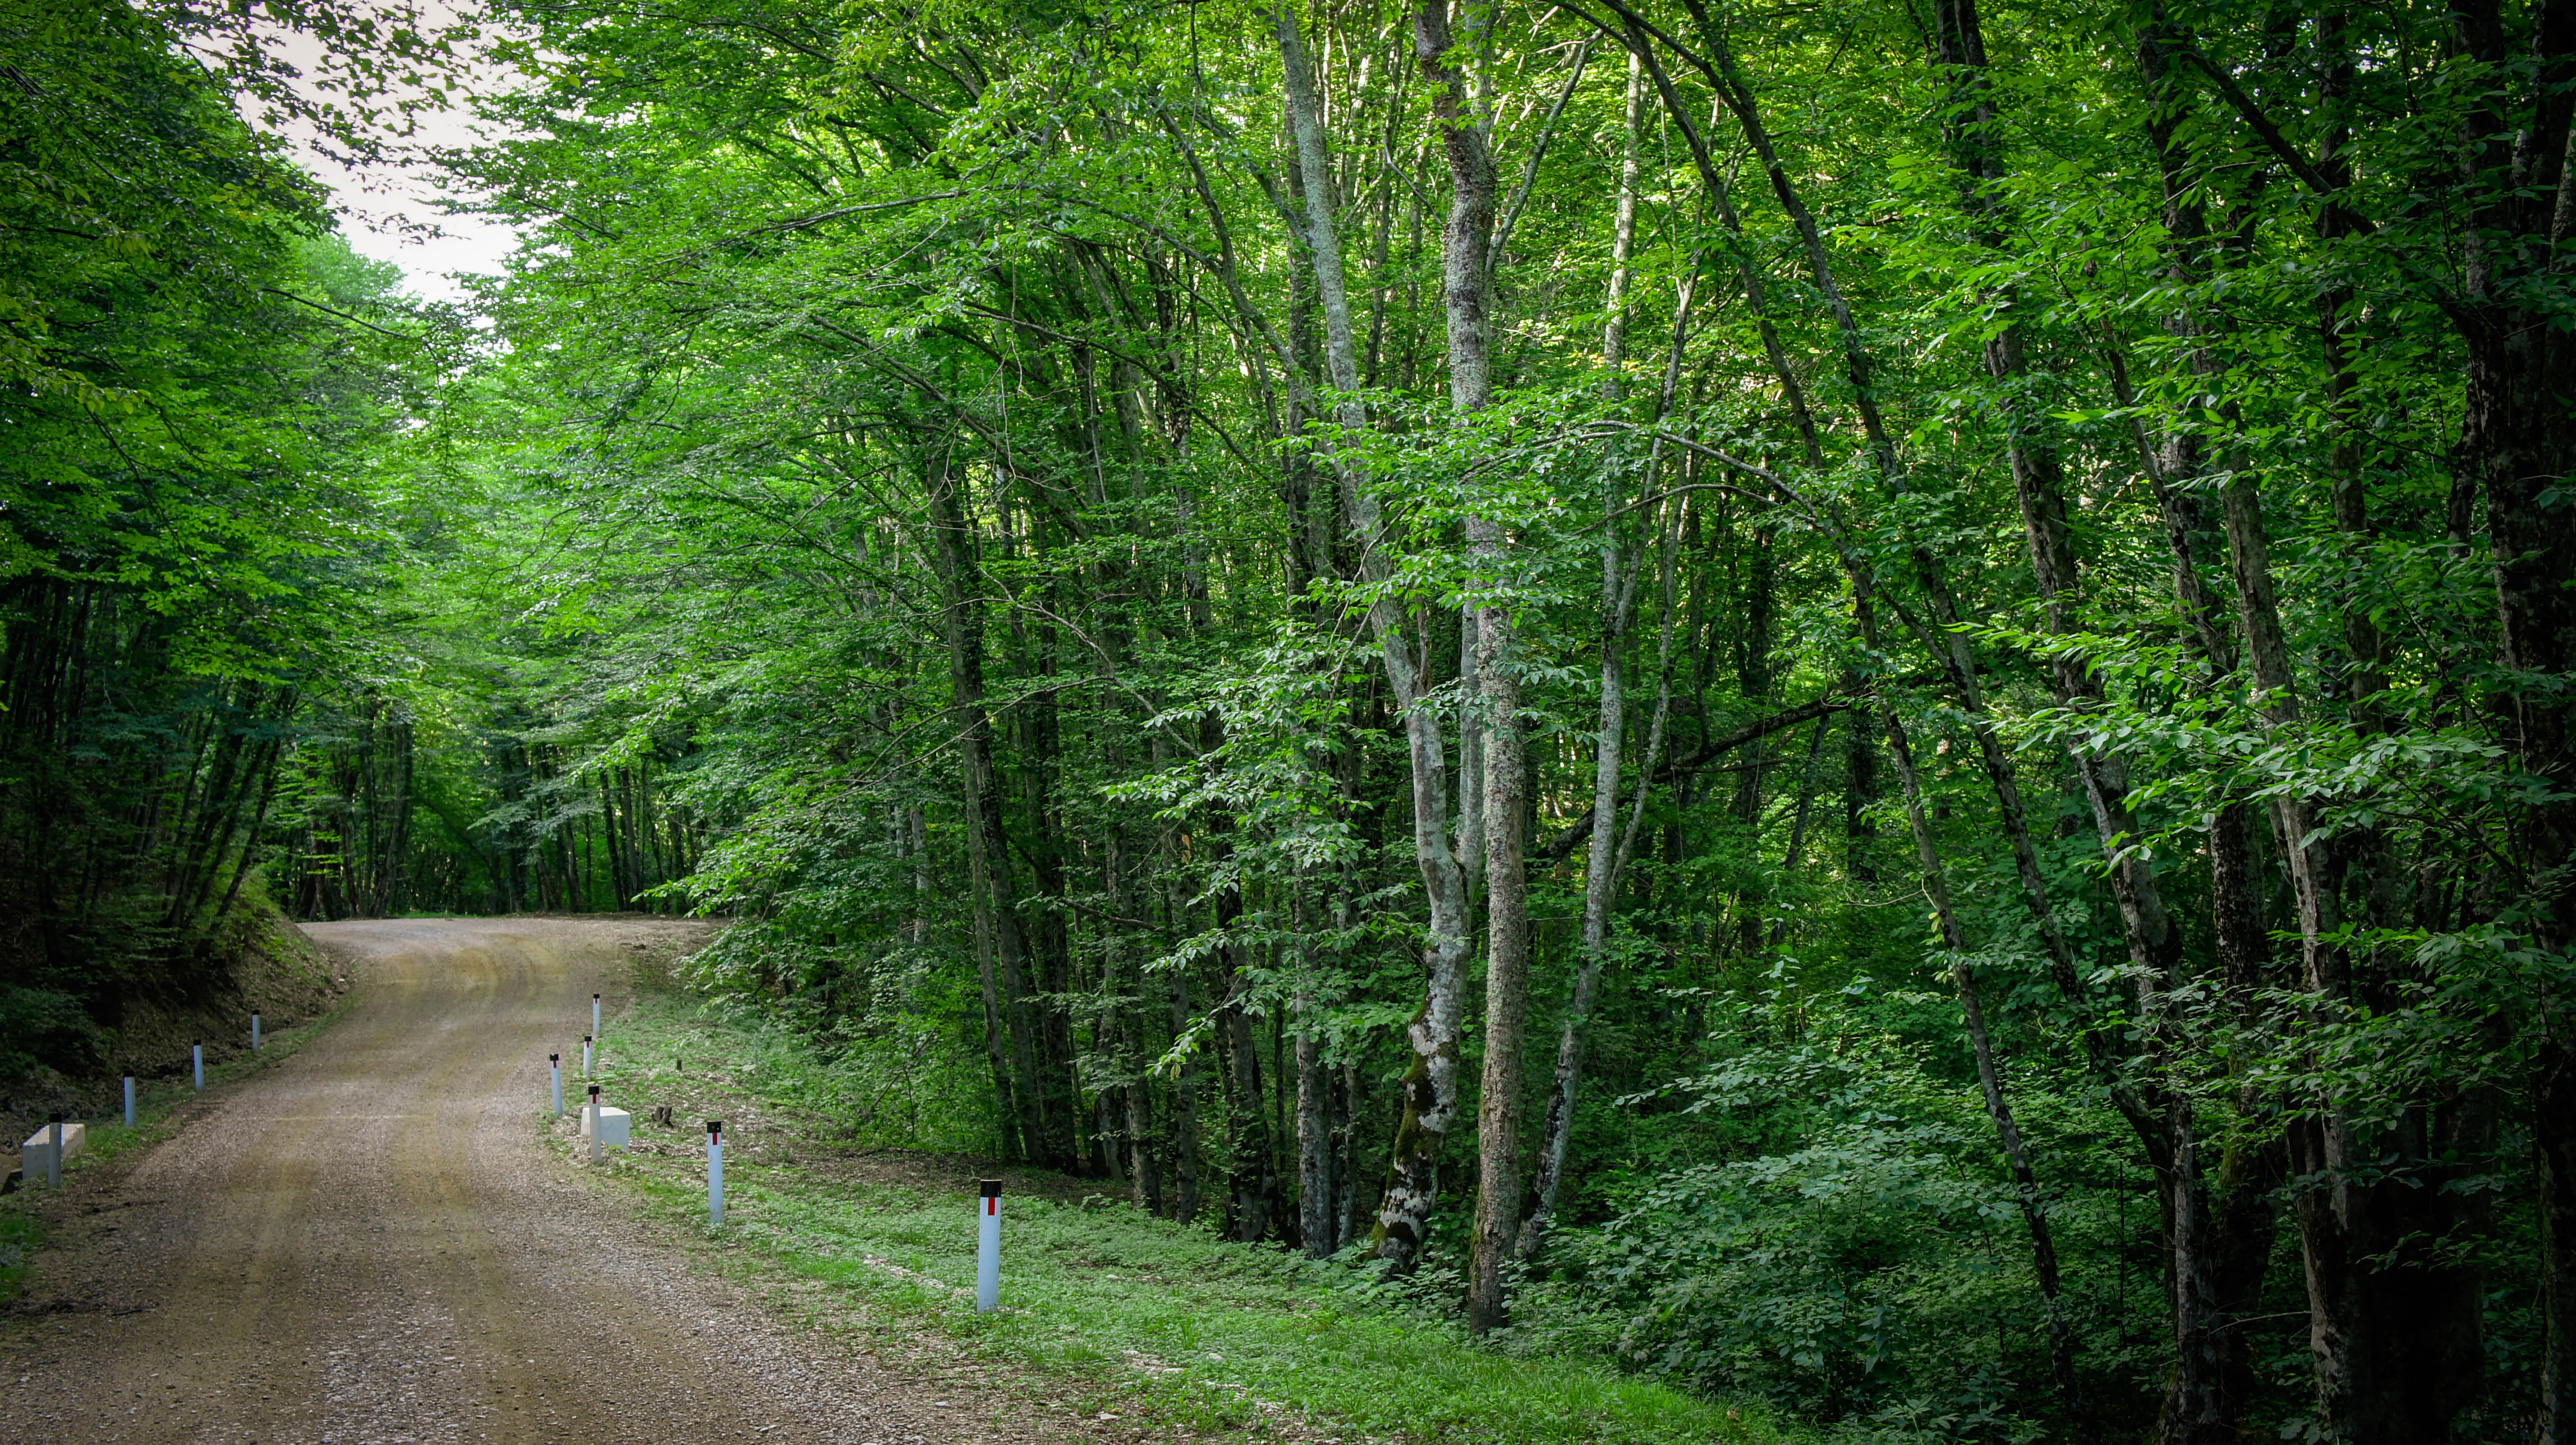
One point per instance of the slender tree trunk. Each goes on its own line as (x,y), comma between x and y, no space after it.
(1185,1088)
(917,834)
(1253,1179)
(1315,1192)
(1943,638)
(1618,583)
(2043,1244)
(2198,1407)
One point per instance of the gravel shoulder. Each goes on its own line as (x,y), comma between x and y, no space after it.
(371,1243)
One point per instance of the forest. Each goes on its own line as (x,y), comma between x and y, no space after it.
(1870,705)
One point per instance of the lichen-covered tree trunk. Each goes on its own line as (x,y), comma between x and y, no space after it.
(1430,1082)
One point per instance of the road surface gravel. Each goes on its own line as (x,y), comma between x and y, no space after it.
(370,1245)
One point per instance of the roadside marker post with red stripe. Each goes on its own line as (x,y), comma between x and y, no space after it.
(715,1173)
(554,1067)
(594,1013)
(594,1123)
(988,1248)
(585,1058)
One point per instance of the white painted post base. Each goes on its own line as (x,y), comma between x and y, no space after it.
(988,1248)
(715,1173)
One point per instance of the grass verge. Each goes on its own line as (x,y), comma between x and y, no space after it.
(1140,1319)
(160,1110)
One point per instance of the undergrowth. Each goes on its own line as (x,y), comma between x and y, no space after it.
(1142,1315)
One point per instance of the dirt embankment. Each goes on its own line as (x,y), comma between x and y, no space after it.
(277,970)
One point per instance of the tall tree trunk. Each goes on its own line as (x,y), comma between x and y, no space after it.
(1431,1081)
(1507,953)
(2378,1344)
(2518,439)
(1253,1177)
(2198,1407)
(1050,944)
(1000,945)
(1465,244)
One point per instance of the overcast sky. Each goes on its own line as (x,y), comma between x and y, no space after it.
(381,206)
(377,206)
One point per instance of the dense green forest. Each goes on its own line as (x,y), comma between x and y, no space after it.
(1869,705)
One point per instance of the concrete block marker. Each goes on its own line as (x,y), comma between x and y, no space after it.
(254,1033)
(129,1101)
(608,1128)
(715,1173)
(47,1148)
(197,1053)
(554,1067)
(615,1127)
(988,1248)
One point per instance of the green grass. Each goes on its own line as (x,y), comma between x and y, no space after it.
(156,1102)
(1131,1313)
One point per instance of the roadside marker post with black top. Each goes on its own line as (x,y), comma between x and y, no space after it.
(54,1156)
(594,1013)
(715,1173)
(988,1248)
(554,1067)
(197,1052)
(594,1123)
(585,1056)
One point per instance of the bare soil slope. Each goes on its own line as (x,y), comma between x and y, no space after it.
(370,1244)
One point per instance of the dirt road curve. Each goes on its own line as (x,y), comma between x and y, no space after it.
(368,1244)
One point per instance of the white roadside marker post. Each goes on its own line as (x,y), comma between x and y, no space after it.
(254,1032)
(54,1157)
(129,1101)
(197,1052)
(594,1123)
(715,1174)
(988,1249)
(554,1066)
(585,1056)
(594,1013)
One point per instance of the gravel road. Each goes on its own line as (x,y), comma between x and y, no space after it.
(369,1244)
